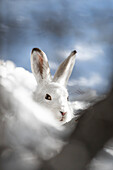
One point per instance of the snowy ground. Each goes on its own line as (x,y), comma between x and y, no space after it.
(28,131)
(28,137)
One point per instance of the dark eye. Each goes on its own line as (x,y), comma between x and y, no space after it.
(68,98)
(48,97)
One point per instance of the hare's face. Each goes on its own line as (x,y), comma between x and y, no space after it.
(52,92)
(55,97)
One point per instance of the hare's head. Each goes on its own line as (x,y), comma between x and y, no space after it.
(52,92)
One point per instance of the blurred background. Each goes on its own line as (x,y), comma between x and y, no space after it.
(58,27)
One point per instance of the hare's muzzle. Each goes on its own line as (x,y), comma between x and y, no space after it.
(63,113)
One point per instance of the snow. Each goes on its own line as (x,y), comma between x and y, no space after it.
(29,130)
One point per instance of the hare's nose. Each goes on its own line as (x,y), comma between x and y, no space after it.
(63,113)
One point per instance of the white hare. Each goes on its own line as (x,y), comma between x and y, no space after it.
(52,92)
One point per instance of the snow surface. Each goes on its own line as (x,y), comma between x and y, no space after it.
(28,131)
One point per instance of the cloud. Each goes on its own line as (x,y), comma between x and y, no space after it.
(87,52)
(92,81)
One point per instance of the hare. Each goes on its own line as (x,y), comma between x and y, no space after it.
(51,92)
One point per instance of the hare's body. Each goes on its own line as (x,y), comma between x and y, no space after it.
(52,93)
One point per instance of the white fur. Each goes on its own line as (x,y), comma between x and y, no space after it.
(54,87)
(58,103)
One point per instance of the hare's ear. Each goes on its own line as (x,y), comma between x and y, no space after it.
(40,66)
(65,69)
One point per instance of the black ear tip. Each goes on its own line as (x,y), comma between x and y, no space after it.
(74,52)
(35,49)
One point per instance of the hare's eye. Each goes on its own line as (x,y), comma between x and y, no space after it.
(68,98)
(48,97)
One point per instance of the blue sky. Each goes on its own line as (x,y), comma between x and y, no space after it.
(58,27)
